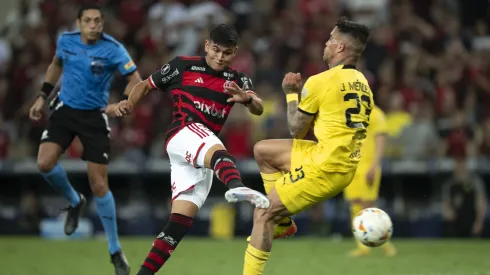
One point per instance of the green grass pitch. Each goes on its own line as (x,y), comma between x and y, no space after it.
(305,256)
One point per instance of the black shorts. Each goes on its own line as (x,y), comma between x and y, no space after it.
(90,126)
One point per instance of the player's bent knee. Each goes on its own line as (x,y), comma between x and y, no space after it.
(186,205)
(45,164)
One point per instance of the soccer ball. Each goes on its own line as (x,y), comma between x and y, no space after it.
(372,227)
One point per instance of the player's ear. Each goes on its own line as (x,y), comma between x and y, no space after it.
(207,44)
(341,47)
(78,23)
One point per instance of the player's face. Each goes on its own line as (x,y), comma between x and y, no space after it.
(91,24)
(332,46)
(217,56)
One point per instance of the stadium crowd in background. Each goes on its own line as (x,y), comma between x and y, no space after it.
(427,62)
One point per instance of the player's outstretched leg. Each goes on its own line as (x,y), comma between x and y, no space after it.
(179,222)
(51,170)
(106,209)
(274,158)
(224,167)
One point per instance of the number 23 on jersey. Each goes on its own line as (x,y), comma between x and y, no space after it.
(357,95)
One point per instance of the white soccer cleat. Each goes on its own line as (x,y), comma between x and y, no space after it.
(246,194)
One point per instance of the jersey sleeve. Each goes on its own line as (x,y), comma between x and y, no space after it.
(125,65)
(59,48)
(245,82)
(378,121)
(310,102)
(168,73)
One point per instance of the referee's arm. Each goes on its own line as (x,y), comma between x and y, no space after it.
(133,79)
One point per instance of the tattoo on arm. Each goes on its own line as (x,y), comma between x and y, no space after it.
(297,121)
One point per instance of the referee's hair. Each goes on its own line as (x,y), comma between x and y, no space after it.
(358,32)
(88,6)
(224,35)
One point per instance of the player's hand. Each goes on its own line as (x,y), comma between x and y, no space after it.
(123,108)
(237,94)
(292,83)
(371,174)
(110,110)
(37,110)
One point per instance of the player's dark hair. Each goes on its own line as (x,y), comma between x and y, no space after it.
(359,32)
(224,34)
(88,6)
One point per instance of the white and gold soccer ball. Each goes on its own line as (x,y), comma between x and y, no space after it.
(372,227)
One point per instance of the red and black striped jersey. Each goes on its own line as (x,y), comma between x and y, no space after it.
(197,92)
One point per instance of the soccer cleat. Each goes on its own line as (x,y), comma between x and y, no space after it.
(121,265)
(283,231)
(246,194)
(71,222)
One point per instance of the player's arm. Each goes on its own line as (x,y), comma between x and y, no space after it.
(53,74)
(299,117)
(253,103)
(160,80)
(127,68)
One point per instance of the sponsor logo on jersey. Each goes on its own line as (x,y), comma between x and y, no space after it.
(247,83)
(165,69)
(197,68)
(167,78)
(210,109)
(229,75)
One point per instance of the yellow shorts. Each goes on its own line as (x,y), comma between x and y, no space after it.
(306,185)
(359,189)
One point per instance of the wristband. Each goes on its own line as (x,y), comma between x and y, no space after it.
(250,99)
(47,88)
(291,97)
(125,97)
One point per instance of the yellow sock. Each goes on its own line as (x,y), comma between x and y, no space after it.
(254,261)
(269,183)
(355,208)
(270,180)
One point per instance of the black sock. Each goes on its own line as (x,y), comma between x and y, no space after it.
(223,164)
(165,243)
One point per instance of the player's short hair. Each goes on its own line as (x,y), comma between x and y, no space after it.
(88,6)
(224,34)
(358,32)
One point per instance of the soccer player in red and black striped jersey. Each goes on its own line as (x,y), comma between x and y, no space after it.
(203,89)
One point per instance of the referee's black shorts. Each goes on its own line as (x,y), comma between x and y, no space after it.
(91,127)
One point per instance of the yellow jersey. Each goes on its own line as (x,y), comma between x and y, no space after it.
(377,126)
(341,100)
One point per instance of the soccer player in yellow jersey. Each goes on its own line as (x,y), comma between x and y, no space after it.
(363,190)
(338,102)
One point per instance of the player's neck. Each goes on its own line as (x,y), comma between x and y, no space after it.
(89,42)
(342,60)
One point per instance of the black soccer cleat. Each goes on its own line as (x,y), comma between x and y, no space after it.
(71,222)
(121,265)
